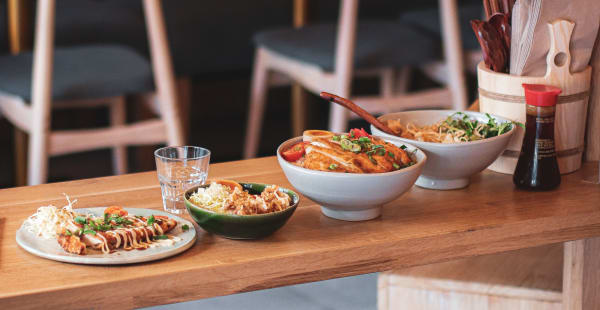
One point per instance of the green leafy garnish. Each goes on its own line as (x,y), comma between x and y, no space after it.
(403,147)
(151,220)
(333,166)
(465,129)
(396,166)
(160,237)
(104,227)
(185,227)
(391,154)
(80,220)
(336,138)
(68,233)
(89,231)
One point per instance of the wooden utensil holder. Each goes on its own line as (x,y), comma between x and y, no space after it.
(502,94)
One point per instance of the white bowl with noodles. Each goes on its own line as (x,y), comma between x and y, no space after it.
(352,196)
(449,166)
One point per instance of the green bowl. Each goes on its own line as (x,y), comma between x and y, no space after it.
(241,226)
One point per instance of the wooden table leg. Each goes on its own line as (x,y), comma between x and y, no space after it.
(299,96)
(19,35)
(581,274)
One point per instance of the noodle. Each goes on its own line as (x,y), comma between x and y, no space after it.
(450,130)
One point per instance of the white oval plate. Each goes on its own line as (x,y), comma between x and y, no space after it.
(50,249)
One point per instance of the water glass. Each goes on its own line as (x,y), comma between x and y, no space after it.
(180,168)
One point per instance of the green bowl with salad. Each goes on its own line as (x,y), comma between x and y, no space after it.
(465,144)
(210,214)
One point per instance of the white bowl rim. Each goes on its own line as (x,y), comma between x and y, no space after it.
(339,174)
(439,144)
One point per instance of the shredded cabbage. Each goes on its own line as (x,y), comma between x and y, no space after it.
(49,220)
(212,197)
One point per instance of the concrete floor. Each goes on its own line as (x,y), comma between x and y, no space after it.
(358,292)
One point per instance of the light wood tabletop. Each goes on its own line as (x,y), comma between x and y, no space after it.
(421,227)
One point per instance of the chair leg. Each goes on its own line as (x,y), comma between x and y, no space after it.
(403,80)
(386,82)
(338,115)
(453,53)
(338,119)
(164,76)
(41,93)
(258,96)
(118,117)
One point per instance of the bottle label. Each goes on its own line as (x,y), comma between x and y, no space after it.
(545,148)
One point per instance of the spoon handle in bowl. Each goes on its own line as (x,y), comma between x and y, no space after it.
(358,110)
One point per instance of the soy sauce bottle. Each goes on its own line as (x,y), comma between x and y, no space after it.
(537,168)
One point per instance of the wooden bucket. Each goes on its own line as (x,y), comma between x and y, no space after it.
(503,95)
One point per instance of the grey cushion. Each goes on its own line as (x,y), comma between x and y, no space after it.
(81,72)
(429,21)
(378,44)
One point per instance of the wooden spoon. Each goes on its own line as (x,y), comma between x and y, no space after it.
(358,110)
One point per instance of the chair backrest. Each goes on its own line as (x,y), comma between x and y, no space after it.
(345,42)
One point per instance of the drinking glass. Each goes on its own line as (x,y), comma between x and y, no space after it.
(180,168)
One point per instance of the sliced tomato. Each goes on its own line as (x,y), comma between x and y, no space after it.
(295,152)
(358,133)
(118,210)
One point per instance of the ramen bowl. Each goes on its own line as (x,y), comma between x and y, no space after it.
(351,196)
(449,166)
(235,226)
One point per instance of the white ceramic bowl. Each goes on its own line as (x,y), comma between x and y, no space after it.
(351,196)
(449,166)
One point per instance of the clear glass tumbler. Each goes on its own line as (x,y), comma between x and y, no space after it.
(180,168)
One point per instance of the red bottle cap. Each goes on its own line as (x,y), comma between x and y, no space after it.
(541,95)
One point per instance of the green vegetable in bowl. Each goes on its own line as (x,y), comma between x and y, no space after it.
(461,126)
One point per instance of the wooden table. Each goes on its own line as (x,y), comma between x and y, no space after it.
(421,227)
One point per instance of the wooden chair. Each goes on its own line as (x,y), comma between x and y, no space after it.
(323,58)
(83,77)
